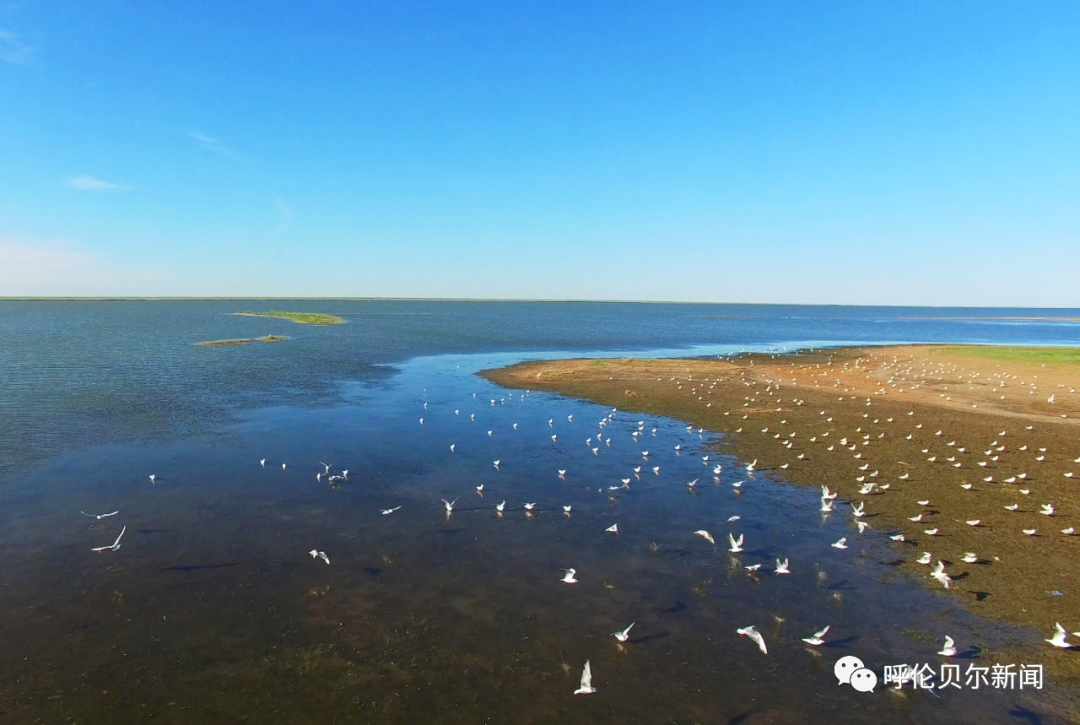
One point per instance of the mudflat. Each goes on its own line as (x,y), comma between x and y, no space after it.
(976,440)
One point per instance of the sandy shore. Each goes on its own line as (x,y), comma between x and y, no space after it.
(919,421)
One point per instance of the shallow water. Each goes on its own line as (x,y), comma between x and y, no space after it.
(212,608)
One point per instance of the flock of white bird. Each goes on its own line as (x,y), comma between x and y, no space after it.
(901,373)
(859,442)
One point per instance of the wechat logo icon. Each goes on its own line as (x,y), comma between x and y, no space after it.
(851,671)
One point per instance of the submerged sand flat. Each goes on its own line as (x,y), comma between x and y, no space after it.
(301,318)
(922,421)
(242,341)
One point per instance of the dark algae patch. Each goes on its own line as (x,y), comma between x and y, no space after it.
(302,318)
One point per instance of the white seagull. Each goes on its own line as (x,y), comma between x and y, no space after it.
(624,634)
(613,529)
(316,554)
(841,544)
(99,517)
(387,512)
(706,535)
(815,639)
(586,687)
(949,649)
(940,575)
(736,545)
(568,576)
(782,567)
(755,635)
(115,546)
(1058,640)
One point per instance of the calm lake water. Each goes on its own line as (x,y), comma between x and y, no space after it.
(212,610)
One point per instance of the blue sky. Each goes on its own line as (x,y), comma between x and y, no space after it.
(877,153)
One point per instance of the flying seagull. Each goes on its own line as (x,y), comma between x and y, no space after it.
(1058,640)
(586,687)
(753,634)
(735,544)
(815,639)
(115,545)
(99,517)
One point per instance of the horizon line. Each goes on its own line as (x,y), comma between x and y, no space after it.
(225,298)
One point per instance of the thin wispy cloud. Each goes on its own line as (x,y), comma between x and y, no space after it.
(90,183)
(13,49)
(36,266)
(210,144)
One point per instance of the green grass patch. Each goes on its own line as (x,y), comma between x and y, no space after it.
(303,318)
(245,341)
(917,635)
(1059,355)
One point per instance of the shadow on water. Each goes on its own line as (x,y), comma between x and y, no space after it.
(197,567)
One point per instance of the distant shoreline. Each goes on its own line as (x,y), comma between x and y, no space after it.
(998,319)
(557,301)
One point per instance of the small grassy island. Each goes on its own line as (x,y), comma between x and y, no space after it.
(246,341)
(302,318)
